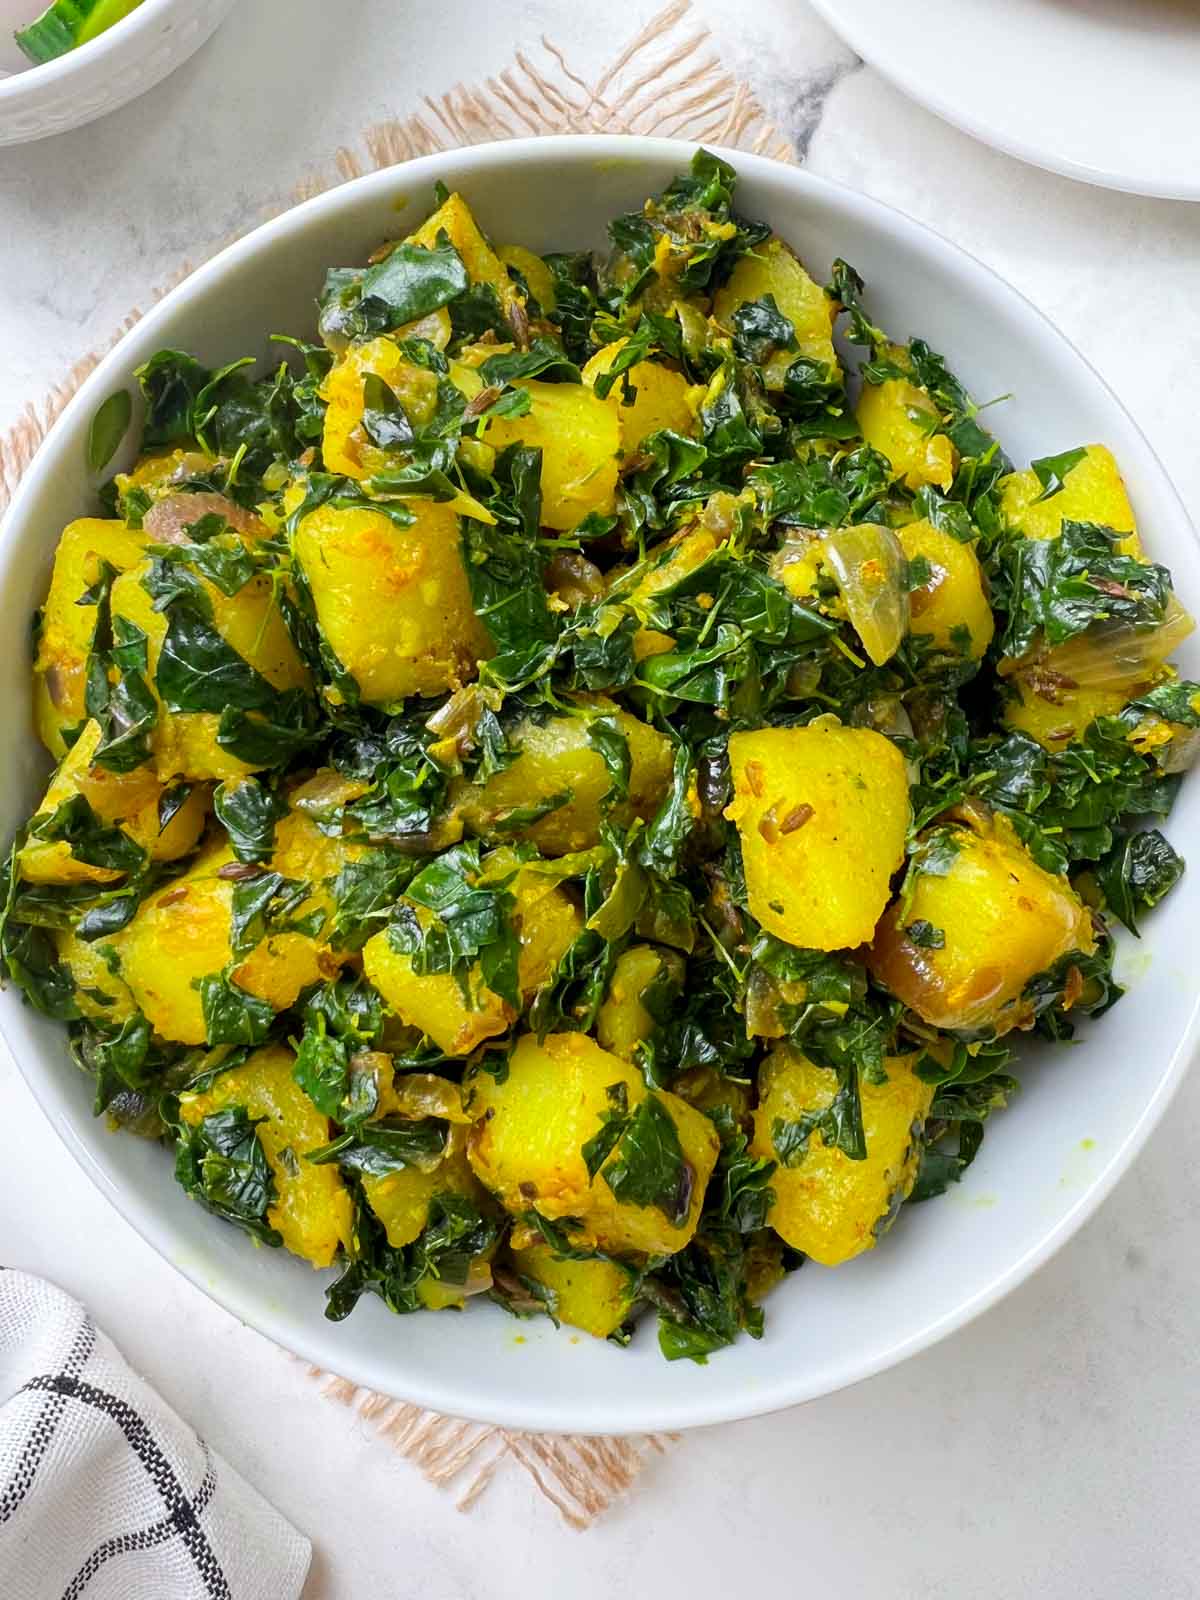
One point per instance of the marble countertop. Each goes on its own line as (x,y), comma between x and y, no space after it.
(1050,1449)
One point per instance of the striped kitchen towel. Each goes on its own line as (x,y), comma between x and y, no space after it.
(105,1494)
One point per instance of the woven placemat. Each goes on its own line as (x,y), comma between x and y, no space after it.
(668,80)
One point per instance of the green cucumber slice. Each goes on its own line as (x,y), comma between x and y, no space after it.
(68,23)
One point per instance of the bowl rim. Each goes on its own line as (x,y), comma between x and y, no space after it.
(31,79)
(778,1389)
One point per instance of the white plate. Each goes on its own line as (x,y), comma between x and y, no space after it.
(1046,1164)
(1107,91)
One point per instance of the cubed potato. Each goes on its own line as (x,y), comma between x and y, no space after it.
(1092,491)
(623,1020)
(954,597)
(345,447)
(596,1296)
(579,436)
(774,269)
(557,757)
(393,603)
(1057,715)
(898,420)
(987,919)
(434,1002)
(312,1209)
(829,1206)
(251,623)
(660,397)
(547,922)
(527,1145)
(65,637)
(454,218)
(401,1199)
(125,800)
(822,813)
(101,994)
(192,918)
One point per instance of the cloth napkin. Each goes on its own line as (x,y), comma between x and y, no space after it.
(104,1492)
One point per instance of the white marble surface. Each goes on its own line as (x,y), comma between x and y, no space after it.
(1053,1448)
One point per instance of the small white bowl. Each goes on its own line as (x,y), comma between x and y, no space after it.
(1047,1162)
(107,72)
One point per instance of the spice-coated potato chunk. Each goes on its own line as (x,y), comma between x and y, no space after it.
(547,922)
(393,602)
(65,635)
(125,800)
(579,436)
(558,759)
(977,918)
(192,918)
(527,1145)
(623,1020)
(401,1199)
(648,398)
(596,1296)
(483,265)
(822,813)
(898,420)
(1092,491)
(252,624)
(312,1208)
(345,446)
(773,269)
(1060,714)
(828,1205)
(951,607)
(100,993)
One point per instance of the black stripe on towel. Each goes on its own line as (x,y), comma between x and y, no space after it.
(180,1510)
(44,1427)
(143,1539)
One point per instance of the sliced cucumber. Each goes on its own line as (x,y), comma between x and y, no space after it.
(68,23)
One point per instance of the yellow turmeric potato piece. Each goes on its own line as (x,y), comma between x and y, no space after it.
(344,445)
(596,1296)
(953,598)
(547,923)
(65,636)
(557,758)
(311,1209)
(393,602)
(1092,491)
(822,813)
(623,1020)
(526,1146)
(483,265)
(898,420)
(401,1199)
(579,436)
(1059,715)
(192,918)
(774,269)
(1001,919)
(660,397)
(828,1205)
(101,994)
(251,623)
(125,800)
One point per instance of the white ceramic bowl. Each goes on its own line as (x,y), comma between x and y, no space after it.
(1046,1164)
(108,72)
